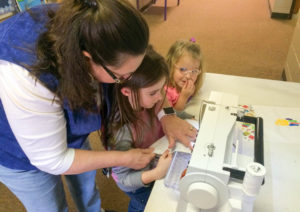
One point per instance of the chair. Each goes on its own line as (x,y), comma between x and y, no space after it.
(153,2)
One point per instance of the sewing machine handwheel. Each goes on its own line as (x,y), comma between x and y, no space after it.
(202,195)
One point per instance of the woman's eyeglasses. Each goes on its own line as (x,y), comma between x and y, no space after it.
(184,71)
(115,78)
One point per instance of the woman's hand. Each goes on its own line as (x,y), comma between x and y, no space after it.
(178,129)
(138,158)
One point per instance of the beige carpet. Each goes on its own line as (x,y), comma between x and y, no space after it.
(237,37)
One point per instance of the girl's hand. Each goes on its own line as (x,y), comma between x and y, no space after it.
(159,171)
(188,89)
(138,158)
(163,164)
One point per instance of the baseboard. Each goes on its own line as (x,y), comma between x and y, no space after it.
(281,15)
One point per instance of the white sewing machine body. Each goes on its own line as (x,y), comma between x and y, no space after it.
(214,177)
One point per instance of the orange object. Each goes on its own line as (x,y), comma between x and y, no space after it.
(183,173)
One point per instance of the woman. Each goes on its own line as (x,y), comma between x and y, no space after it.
(57,64)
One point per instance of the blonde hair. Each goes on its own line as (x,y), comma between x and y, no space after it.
(177,50)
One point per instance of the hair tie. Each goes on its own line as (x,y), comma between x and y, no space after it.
(193,40)
(91,3)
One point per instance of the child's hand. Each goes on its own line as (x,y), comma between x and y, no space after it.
(188,89)
(159,171)
(163,164)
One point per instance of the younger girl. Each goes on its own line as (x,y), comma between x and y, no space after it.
(138,100)
(186,74)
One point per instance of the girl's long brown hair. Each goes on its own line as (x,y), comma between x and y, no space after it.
(151,71)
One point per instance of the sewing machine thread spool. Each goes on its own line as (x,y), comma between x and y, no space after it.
(254,176)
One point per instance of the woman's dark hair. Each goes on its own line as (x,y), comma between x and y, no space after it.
(152,69)
(106,29)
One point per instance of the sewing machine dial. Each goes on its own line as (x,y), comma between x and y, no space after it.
(208,194)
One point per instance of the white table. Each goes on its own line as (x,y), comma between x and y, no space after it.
(271,100)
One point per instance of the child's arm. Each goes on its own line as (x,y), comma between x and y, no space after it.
(181,102)
(127,179)
(186,92)
(160,170)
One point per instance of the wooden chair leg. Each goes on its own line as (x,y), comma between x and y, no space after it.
(165,15)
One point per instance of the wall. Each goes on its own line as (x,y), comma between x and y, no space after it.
(281,6)
(292,66)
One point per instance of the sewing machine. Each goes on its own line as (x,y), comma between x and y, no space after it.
(227,145)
